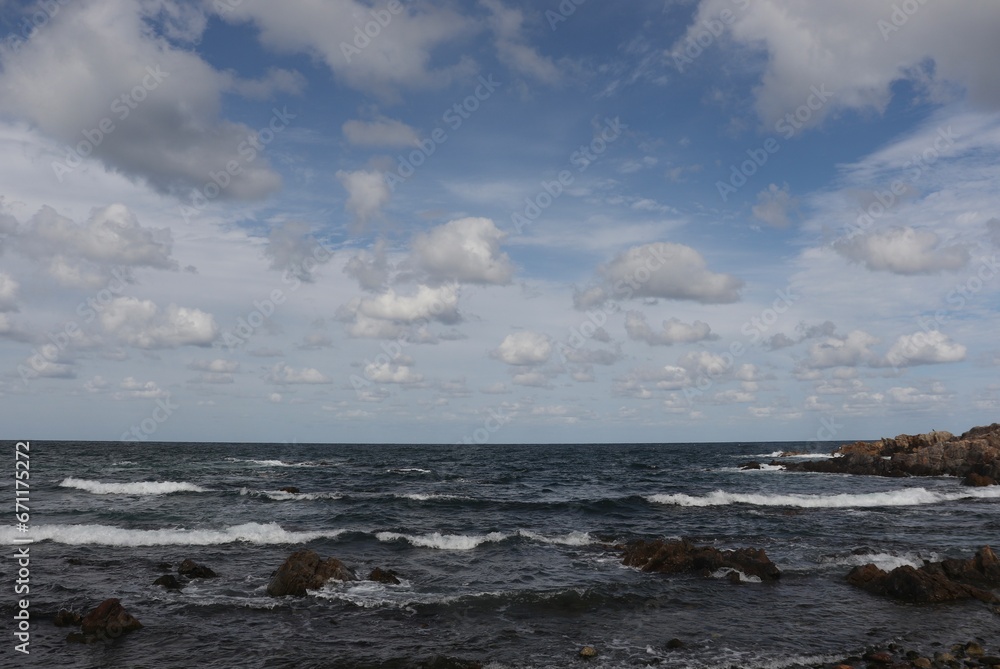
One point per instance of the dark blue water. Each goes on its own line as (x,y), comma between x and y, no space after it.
(506,554)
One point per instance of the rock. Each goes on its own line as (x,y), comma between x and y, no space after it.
(791,454)
(943,658)
(843,666)
(380,575)
(168,581)
(879,657)
(588,652)
(921,663)
(672,557)
(108,620)
(192,569)
(973,649)
(290,489)
(978,480)
(304,570)
(750,465)
(989,660)
(943,581)
(66,618)
(164,566)
(977,452)
(445,662)
(675,643)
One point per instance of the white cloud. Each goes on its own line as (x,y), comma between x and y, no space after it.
(370,269)
(924,348)
(367,193)
(403,55)
(429,303)
(465,250)
(101,60)
(524,348)
(387,372)
(292,248)
(903,251)
(637,381)
(282,374)
(850,350)
(382,132)
(217,366)
(511,45)
(142,324)
(8,292)
(674,331)
(853,48)
(672,271)
(774,205)
(133,389)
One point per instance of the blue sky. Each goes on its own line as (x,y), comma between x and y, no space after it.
(498,221)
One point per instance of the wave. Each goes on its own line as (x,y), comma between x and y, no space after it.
(905,497)
(763,468)
(276,463)
(570,539)
(780,454)
(283,496)
(448,542)
(135,488)
(886,561)
(726,571)
(424,497)
(408,470)
(109,535)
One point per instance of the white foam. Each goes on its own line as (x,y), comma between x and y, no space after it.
(136,488)
(726,571)
(885,561)
(274,463)
(284,496)
(423,497)
(570,539)
(447,542)
(408,470)
(763,468)
(904,497)
(109,535)
(780,454)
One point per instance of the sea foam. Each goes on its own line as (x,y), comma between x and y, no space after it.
(905,497)
(109,535)
(135,488)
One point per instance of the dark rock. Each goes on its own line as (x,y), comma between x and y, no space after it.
(168,581)
(750,465)
(978,480)
(109,620)
(789,454)
(290,489)
(675,643)
(672,557)
(943,581)
(973,649)
(65,618)
(588,652)
(304,570)
(192,569)
(921,663)
(380,575)
(933,454)
(164,566)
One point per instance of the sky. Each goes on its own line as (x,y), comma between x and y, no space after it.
(498,221)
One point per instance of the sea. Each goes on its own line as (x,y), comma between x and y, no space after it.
(505,553)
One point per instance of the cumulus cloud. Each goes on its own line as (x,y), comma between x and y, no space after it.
(367,193)
(8,292)
(851,350)
(162,102)
(903,251)
(133,389)
(382,132)
(388,372)
(638,382)
(428,304)
(671,271)
(466,250)
(404,55)
(292,248)
(282,374)
(370,269)
(217,366)
(524,348)
(774,205)
(142,324)
(924,348)
(856,50)
(674,331)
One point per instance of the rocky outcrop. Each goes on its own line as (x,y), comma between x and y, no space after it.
(305,570)
(109,620)
(974,456)
(168,582)
(192,569)
(944,581)
(673,557)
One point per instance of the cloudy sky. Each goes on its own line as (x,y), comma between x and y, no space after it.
(498,220)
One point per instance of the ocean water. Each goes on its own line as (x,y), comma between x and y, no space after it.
(505,553)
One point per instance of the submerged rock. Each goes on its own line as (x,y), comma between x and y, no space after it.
(588,652)
(305,570)
(750,465)
(66,618)
(192,569)
(380,575)
(944,581)
(672,557)
(169,582)
(290,489)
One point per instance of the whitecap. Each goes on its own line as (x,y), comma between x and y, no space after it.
(904,497)
(448,542)
(109,535)
(134,488)
(283,495)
